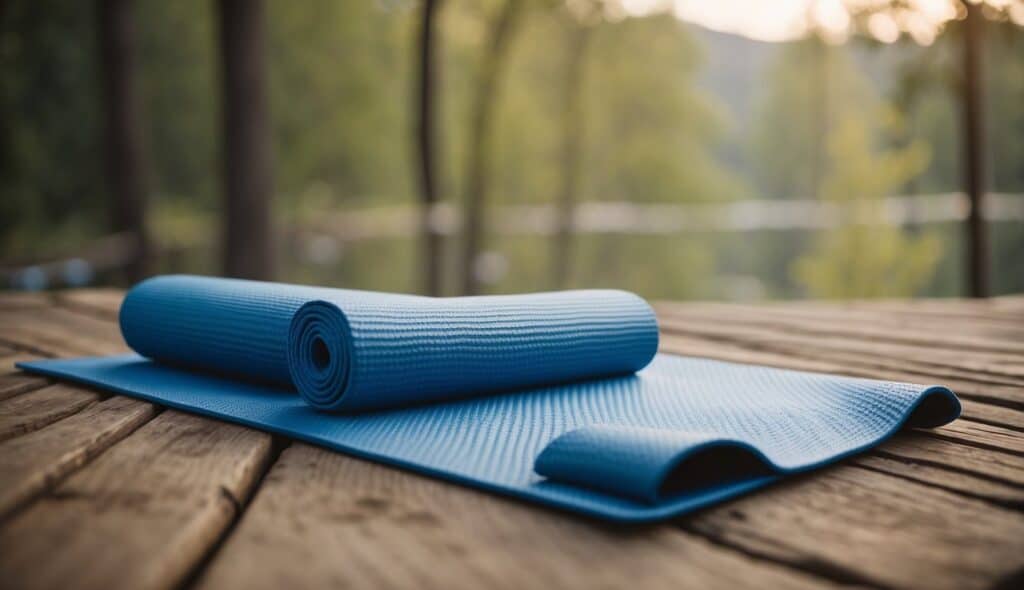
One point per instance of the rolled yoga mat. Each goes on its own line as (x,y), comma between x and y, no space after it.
(558,398)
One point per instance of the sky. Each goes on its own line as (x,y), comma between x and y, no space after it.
(782,20)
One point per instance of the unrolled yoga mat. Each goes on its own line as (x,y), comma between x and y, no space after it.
(558,398)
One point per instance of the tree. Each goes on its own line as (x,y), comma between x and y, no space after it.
(126,169)
(428,151)
(864,257)
(578,39)
(974,153)
(971,97)
(248,237)
(808,88)
(53,193)
(480,142)
(651,137)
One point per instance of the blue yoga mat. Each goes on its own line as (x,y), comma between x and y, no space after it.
(559,398)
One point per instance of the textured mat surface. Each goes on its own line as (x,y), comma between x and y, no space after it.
(533,396)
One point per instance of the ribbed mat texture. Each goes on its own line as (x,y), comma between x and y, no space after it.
(558,398)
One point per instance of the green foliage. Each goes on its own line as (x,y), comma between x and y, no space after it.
(810,87)
(865,257)
(340,81)
(651,132)
(340,76)
(179,85)
(50,151)
(1005,123)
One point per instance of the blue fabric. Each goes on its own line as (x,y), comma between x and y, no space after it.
(558,398)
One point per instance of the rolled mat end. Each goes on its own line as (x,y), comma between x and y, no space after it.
(320,354)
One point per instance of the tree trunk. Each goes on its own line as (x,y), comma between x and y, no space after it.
(822,117)
(480,141)
(125,161)
(248,180)
(974,154)
(428,153)
(572,147)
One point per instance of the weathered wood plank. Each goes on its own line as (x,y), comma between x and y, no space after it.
(22,300)
(43,332)
(970,485)
(32,463)
(7,363)
(783,354)
(103,303)
(889,329)
(1008,303)
(141,515)
(993,310)
(12,381)
(33,410)
(733,352)
(983,435)
(981,367)
(61,332)
(325,520)
(47,332)
(891,531)
(954,465)
(17,383)
(1004,387)
(952,455)
(927,313)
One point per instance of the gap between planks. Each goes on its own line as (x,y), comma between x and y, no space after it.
(142,513)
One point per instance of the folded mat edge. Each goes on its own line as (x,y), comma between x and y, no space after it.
(650,465)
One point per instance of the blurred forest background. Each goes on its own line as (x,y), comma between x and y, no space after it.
(555,144)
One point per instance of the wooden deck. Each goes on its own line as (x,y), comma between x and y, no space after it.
(102,491)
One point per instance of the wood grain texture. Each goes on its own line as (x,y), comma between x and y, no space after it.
(928,472)
(983,435)
(35,409)
(15,300)
(107,494)
(32,463)
(103,303)
(853,325)
(997,402)
(7,363)
(325,520)
(17,383)
(141,515)
(909,358)
(56,331)
(956,456)
(887,531)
